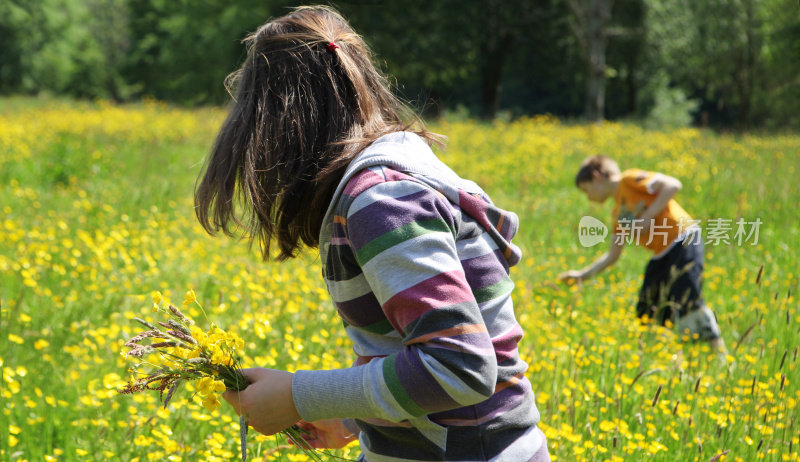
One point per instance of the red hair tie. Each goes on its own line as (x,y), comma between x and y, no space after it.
(332,46)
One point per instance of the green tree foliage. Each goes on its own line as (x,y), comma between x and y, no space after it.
(419,48)
(724,52)
(778,107)
(63,46)
(736,61)
(443,46)
(11,68)
(546,70)
(627,70)
(183,49)
(590,22)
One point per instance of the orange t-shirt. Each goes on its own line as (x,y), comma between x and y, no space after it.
(634,195)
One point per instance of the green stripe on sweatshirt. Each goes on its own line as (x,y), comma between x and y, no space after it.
(398,235)
(380,327)
(498,289)
(397,390)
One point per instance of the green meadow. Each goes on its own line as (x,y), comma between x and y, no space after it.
(97,214)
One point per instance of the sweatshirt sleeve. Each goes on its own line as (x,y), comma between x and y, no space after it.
(403,236)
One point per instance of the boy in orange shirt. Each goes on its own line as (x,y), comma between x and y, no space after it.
(646,214)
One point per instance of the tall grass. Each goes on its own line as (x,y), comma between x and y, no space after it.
(97,213)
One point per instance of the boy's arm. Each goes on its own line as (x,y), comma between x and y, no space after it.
(606,260)
(664,187)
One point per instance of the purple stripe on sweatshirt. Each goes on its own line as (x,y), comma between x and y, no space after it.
(505,346)
(419,384)
(470,342)
(474,207)
(508,228)
(483,271)
(414,207)
(501,402)
(394,175)
(339,241)
(361,311)
(444,289)
(362,181)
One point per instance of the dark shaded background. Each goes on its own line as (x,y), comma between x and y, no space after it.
(732,64)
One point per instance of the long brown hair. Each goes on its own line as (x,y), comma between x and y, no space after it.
(306,100)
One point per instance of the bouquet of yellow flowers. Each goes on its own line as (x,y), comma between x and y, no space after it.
(177,351)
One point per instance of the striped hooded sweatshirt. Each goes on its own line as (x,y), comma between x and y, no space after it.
(416,260)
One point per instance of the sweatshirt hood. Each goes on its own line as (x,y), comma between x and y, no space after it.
(408,153)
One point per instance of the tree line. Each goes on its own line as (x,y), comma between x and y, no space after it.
(723,63)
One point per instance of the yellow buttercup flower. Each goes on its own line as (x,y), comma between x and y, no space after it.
(204,385)
(195,353)
(218,386)
(189,298)
(211,402)
(210,386)
(218,356)
(199,335)
(234,341)
(157,299)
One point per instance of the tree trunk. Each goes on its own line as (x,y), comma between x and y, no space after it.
(633,92)
(745,75)
(599,15)
(590,26)
(495,52)
(596,79)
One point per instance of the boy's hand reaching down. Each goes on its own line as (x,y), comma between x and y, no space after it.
(571,276)
(267,402)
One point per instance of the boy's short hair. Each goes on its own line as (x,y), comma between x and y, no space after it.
(599,163)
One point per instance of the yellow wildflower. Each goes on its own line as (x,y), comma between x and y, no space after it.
(199,335)
(157,299)
(211,402)
(208,386)
(189,298)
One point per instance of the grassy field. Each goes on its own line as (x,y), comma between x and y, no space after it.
(97,214)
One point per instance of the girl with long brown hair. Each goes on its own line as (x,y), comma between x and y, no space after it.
(317,151)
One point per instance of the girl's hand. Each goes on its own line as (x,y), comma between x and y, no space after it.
(326,434)
(267,402)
